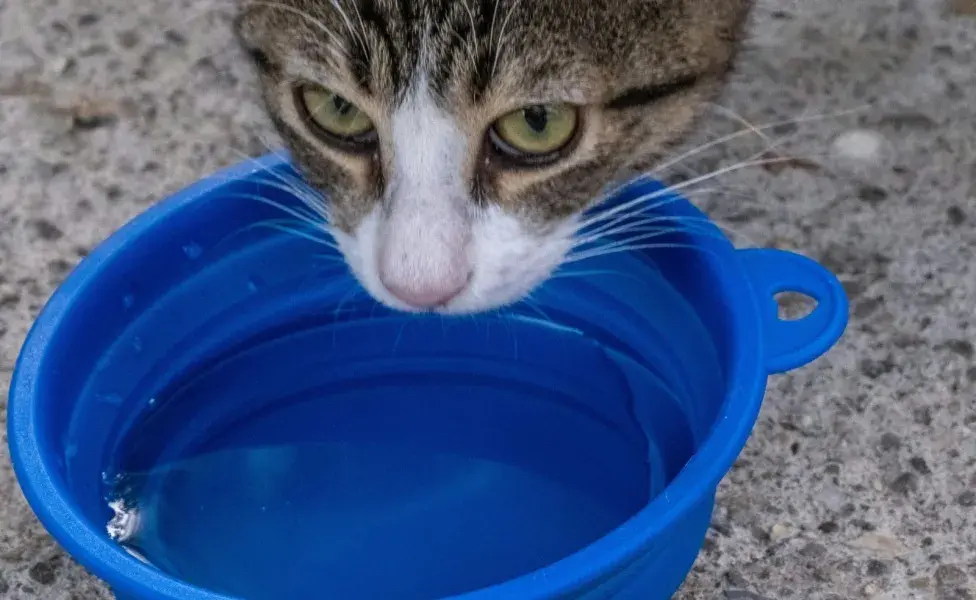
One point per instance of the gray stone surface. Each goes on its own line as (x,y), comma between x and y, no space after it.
(858,481)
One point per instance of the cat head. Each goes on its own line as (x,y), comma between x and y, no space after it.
(459,141)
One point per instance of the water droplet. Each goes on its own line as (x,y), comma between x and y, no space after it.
(128,301)
(113,399)
(152,402)
(192,250)
(253,284)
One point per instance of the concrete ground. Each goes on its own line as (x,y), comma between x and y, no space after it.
(860,480)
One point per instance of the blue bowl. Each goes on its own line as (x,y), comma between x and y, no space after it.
(286,437)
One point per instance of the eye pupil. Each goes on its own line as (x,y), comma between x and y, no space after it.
(535,134)
(342,106)
(334,118)
(537,118)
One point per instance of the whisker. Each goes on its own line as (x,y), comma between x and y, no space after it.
(704,228)
(639,212)
(576,273)
(640,247)
(353,293)
(297,233)
(468,49)
(530,302)
(502,33)
(360,35)
(731,114)
(293,186)
(298,215)
(474,26)
(294,181)
(749,130)
(671,190)
(640,236)
(314,208)
(285,221)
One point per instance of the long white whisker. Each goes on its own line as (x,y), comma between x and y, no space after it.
(604,252)
(664,226)
(294,182)
(296,214)
(310,214)
(731,114)
(577,273)
(296,232)
(672,190)
(750,130)
(294,186)
(636,213)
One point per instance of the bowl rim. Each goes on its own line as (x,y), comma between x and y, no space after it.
(586,567)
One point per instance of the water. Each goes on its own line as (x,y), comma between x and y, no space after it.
(313,465)
(348,520)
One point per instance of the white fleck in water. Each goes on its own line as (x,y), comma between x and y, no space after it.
(152,402)
(192,250)
(325,500)
(110,398)
(137,344)
(128,301)
(125,522)
(253,284)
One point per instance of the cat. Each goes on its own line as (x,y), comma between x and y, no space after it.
(459,141)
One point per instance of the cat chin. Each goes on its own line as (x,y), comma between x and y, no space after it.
(509,260)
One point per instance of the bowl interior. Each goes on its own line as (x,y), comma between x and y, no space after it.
(264,420)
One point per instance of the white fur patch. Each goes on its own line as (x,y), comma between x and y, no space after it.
(425,231)
(508,261)
(431,239)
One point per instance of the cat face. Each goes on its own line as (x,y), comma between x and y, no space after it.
(459,141)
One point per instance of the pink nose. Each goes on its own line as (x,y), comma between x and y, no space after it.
(430,289)
(426,297)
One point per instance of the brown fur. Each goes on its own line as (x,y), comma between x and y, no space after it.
(641,70)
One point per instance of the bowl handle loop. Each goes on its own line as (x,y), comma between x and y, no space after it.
(790,344)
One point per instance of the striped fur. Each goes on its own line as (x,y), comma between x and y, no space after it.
(640,70)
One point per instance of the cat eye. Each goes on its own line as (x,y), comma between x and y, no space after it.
(535,134)
(335,118)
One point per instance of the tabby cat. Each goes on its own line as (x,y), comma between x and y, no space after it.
(459,141)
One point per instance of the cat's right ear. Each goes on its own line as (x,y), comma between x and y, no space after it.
(246,31)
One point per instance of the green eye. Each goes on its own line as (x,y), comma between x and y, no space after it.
(536,131)
(334,114)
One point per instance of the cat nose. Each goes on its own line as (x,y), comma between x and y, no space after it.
(429,297)
(434,287)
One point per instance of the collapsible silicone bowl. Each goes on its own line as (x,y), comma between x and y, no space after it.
(633,379)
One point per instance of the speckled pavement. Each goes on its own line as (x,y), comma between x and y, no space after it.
(860,480)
